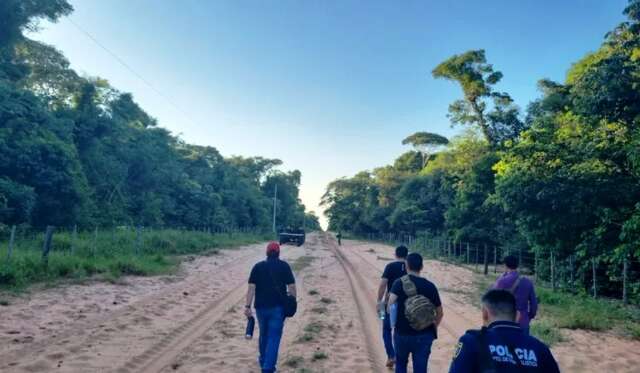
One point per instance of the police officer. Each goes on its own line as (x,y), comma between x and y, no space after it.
(501,346)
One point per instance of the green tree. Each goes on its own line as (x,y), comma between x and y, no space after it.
(426,144)
(16,16)
(492,112)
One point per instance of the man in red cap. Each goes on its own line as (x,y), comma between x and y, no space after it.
(270,282)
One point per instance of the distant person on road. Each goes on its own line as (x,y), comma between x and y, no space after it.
(392,272)
(339,237)
(501,346)
(419,315)
(270,281)
(522,289)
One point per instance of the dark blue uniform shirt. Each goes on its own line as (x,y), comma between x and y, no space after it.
(509,348)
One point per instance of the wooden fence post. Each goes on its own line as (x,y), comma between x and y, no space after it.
(595,284)
(571,278)
(477,256)
(535,264)
(520,257)
(553,271)
(11,242)
(486,260)
(138,240)
(74,237)
(467,253)
(625,265)
(46,245)
(94,248)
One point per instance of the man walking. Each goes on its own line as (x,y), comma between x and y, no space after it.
(392,272)
(270,281)
(522,289)
(419,314)
(501,346)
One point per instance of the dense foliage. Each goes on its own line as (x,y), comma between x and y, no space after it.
(76,151)
(562,178)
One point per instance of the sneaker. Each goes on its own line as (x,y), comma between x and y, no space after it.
(390,363)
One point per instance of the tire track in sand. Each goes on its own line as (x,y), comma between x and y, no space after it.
(454,323)
(163,353)
(86,329)
(220,346)
(366,306)
(147,322)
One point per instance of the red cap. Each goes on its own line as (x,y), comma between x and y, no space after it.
(273,248)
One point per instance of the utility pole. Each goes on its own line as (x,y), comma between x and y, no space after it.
(275,196)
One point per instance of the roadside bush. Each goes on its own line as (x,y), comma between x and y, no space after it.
(546,332)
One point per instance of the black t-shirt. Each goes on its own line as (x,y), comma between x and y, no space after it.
(392,272)
(271,278)
(423,287)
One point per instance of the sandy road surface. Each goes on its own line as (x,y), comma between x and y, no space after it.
(583,351)
(189,323)
(193,322)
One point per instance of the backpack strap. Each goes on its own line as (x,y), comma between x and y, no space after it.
(408,286)
(515,285)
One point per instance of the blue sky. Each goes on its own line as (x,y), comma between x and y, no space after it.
(329,87)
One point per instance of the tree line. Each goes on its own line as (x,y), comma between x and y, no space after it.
(562,176)
(76,151)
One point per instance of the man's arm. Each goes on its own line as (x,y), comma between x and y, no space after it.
(382,289)
(548,363)
(533,303)
(392,300)
(439,315)
(290,280)
(251,291)
(464,356)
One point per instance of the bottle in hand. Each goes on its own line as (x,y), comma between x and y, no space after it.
(381,310)
(251,324)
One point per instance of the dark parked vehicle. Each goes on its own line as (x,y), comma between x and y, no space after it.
(295,236)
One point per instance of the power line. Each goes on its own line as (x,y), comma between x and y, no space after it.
(130,69)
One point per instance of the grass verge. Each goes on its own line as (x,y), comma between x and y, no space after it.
(107,256)
(560,310)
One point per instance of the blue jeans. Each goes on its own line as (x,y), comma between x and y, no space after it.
(271,323)
(387,338)
(419,346)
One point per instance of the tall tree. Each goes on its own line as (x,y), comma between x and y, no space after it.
(17,16)
(426,144)
(491,111)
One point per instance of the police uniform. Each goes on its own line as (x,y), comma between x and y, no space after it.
(501,347)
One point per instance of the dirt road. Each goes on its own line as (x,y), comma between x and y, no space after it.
(193,322)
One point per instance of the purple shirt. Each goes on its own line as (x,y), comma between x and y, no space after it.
(525,294)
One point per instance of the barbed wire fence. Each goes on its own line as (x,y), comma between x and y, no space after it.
(618,279)
(100,241)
